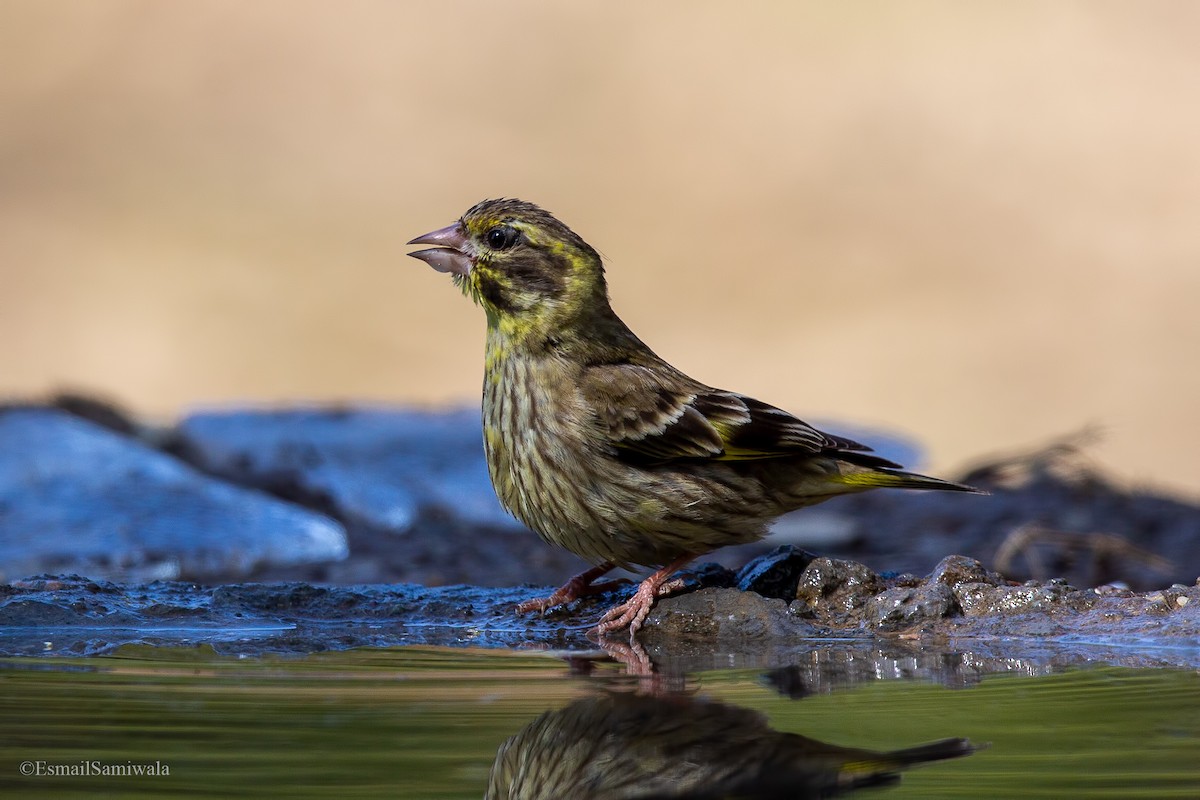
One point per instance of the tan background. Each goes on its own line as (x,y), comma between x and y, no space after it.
(977,223)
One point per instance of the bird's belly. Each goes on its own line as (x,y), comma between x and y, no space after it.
(556,473)
(546,482)
(603,509)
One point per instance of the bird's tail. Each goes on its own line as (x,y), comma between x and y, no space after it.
(865,471)
(898,479)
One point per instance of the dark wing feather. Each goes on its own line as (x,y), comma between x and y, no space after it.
(643,415)
(661,416)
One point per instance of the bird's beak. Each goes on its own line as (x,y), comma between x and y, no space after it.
(452,252)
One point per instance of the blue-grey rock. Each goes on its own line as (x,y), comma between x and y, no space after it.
(775,574)
(76,497)
(378,468)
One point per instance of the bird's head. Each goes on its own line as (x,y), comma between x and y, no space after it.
(531,273)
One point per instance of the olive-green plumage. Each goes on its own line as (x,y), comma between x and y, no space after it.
(602,447)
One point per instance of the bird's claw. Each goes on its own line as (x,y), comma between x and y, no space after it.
(632,613)
(577,587)
(539,604)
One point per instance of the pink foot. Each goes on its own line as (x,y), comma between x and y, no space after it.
(579,586)
(633,612)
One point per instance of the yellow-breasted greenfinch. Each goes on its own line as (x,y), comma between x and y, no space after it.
(604,448)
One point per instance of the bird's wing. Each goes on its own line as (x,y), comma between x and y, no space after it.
(662,417)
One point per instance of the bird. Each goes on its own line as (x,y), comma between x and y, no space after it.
(622,745)
(602,447)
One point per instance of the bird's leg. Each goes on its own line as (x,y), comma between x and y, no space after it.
(577,587)
(634,611)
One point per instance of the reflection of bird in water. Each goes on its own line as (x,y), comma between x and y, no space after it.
(654,748)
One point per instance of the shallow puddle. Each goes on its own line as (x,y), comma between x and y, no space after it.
(427,722)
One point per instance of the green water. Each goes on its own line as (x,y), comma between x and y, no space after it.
(426,723)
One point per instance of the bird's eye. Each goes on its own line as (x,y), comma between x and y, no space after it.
(501,237)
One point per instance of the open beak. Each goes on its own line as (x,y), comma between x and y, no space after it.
(451,253)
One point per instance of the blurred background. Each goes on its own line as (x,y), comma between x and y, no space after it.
(974,224)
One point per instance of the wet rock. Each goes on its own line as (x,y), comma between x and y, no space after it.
(832,588)
(955,570)
(980,599)
(77,497)
(776,574)
(1152,621)
(901,608)
(972,588)
(708,575)
(720,615)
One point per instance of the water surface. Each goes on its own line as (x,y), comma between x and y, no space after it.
(418,722)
